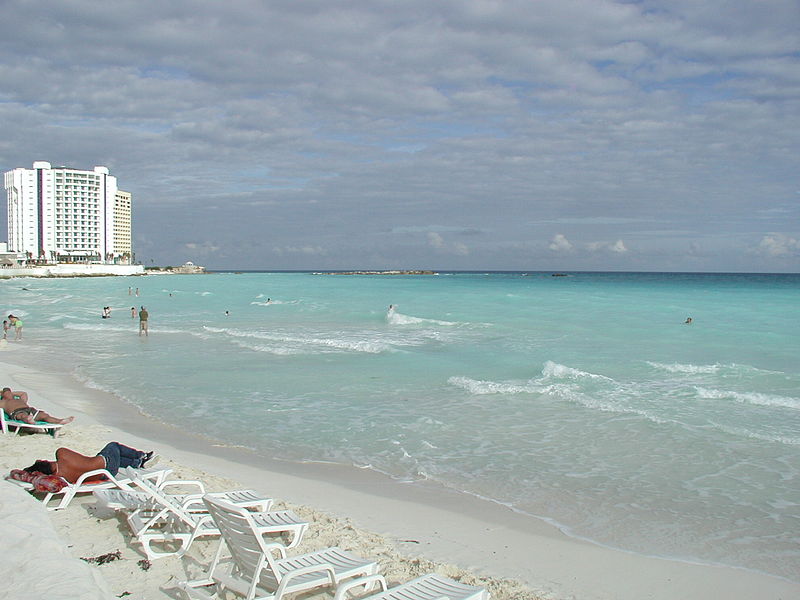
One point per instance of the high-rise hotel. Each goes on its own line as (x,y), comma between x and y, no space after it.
(68,215)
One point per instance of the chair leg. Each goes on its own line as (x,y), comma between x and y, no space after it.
(68,496)
(152,554)
(192,589)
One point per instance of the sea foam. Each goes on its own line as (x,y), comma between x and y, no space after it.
(756,398)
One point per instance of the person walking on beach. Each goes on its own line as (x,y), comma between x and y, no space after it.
(6,327)
(15,405)
(71,465)
(143,316)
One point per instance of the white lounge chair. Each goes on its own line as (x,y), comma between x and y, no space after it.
(84,486)
(164,519)
(131,500)
(7,423)
(254,572)
(427,587)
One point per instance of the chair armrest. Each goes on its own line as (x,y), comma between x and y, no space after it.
(202,520)
(184,482)
(286,579)
(270,546)
(104,472)
(346,586)
(193,500)
(156,475)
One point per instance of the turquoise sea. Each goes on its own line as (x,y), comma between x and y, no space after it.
(582,399)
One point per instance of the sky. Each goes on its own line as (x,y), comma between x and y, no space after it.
(647,135)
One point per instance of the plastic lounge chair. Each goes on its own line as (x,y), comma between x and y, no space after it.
(131,500)
(83,486)
(163,519)
(427,587)
(7,422)
(253,571)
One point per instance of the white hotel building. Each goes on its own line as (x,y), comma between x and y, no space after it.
(64,215)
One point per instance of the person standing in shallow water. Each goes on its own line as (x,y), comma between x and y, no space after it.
(143,317)
(17,325)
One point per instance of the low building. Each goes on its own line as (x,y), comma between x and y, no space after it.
(188,267)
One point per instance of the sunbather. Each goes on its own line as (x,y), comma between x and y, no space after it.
(71,465)
(16,406)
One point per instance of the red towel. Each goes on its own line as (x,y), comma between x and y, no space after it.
(41,483)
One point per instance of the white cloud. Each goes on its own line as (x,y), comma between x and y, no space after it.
(435,240)
(778,244)
(618,247)
(560,243)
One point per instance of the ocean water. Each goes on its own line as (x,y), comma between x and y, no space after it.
(584,400)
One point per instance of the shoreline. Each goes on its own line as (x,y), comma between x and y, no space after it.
(414,520)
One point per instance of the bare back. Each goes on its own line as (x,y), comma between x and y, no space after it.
(72,465)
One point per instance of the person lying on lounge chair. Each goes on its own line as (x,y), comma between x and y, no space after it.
(71,465)
(16,406)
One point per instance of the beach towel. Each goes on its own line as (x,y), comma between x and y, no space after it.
(51,484)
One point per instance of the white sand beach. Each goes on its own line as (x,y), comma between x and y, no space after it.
(409,529)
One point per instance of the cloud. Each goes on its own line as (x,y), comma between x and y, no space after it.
(304,250)
(560,243)
(328,124)
(201,248)
(618,247)
(436,228)
(779,245)
(435,240)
